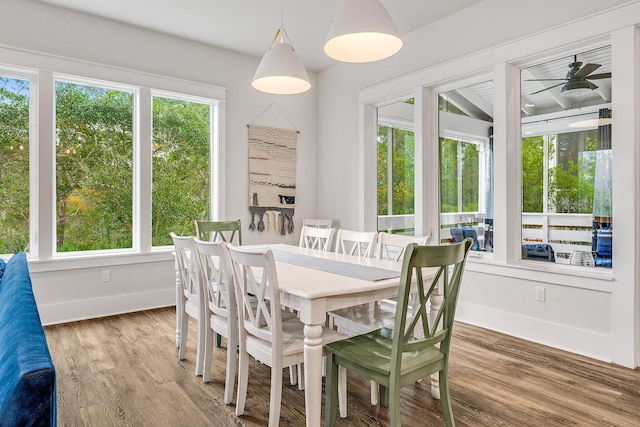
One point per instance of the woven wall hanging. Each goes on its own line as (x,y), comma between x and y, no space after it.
(272,178)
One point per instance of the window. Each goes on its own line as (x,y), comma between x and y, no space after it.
(566,160)
(94,168)
(14,164)
(396,157)
(181,146)
(120,167)
(466,165)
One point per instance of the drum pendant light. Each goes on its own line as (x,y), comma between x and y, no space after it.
(280,71)
(363,31)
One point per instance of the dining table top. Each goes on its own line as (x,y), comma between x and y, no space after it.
(311,273)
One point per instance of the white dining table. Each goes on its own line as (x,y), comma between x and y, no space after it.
(314,290)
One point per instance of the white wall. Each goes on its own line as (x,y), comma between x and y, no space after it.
(68,290)
(595,315)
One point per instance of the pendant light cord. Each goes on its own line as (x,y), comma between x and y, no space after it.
(281,29)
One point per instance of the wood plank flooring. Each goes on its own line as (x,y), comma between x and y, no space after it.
(122,371)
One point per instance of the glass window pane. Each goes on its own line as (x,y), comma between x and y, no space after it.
(181,146)
(466,165)
(566,160)
(14,165)
(396,159)
(94,168)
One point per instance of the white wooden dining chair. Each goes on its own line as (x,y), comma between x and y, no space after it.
(264,335)
(317,238)
(221,311)
(317,223)
(189,298)
(360,243)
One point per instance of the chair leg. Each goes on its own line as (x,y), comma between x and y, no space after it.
(184,329)
(232,360)
(275,396)
(208,355)
(393,395)
(342,391)
(218,340)
(293,375)
(383,395)
(375,396)
(300,369)
(331,391)
(445,399)
(202,327)
(243,378)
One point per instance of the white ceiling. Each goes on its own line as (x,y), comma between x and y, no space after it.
(248,26)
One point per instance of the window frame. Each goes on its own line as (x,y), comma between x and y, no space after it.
(35,68)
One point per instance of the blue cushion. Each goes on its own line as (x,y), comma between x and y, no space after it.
(460,233)
(27,375)
(538,251)
(603,248)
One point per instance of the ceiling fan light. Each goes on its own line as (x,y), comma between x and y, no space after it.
(363,31)
(281,71)
(576,88)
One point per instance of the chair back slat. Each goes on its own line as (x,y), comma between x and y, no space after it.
(392,246)
(185,254)
(317,223)
(257,293)
(216,278)
(360,243)
(219,231)
(447,263)
(317,238)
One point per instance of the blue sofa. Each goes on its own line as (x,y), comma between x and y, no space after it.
(27,374)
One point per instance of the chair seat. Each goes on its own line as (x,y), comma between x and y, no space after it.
(363,318)
(373,353)
(292,339)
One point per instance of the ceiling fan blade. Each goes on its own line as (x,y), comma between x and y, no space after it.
(587,69)
(599,76)
(547,88)
(592,86)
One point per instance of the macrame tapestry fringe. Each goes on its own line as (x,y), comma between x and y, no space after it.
(278,220)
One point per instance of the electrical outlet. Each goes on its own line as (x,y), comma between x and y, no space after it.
(541,294)
(106,275)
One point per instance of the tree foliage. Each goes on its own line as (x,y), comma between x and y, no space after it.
(95,161)
(14,165)
(459,161)
(402,174)
(180,167)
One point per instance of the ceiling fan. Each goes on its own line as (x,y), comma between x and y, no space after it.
(578,79)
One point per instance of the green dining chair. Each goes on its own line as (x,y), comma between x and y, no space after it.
(226,231)
(416,347)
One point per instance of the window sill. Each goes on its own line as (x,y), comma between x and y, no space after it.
(99,259)
(593,278)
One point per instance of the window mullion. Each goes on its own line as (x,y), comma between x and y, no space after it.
(42,201)
(142,182)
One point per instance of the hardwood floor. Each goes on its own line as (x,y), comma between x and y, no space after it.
(122,370)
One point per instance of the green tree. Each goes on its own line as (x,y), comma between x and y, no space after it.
(533,174)
(14,165)
(94,168)
(180,167)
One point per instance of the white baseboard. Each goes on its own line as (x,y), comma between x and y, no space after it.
(71,311)
(575,340)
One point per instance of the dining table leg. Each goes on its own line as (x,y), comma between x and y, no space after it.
(313,374)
